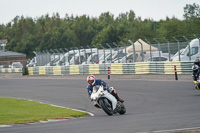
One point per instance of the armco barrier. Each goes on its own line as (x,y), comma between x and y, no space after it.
(186,67)
(142,68)
(169,67)
(103,68)
(116,69)
(156,67)
(74,69)
(84,69)
(42,70)
(65,70)
(94,68)
(30,70)
(11,70)
(127,68)
(57,70)
(50,70)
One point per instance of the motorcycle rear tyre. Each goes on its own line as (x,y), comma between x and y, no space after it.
(104,107)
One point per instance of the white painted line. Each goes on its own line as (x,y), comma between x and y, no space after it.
(5,126)
(91,114)
(172,130)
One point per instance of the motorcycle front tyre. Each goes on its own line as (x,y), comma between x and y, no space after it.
(107,110)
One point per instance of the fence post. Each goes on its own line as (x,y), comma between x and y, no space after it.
(142,52)
(63,53)
(117,50)
(168,47)
(104,58)
(110,51)
(103,53)
(158,47)
(54,56)
(149,48)
(91,53)
(68,56)
(85,58)
(58,53)
(97,53)
(36,54)
(188,45)
(45,56)
(179,55)
(134,57)
(125,49)
(48,56)
(74,55)
(79,60)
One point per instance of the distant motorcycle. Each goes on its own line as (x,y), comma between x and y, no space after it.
(106,101)
(195,76)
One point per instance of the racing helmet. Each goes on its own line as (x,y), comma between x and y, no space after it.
(197,62)
(195,68)
(91,80)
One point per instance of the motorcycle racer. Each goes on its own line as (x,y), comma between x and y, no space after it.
(92,81)
(195,73)
(196,70)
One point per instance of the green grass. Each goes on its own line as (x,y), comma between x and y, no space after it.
(21,111)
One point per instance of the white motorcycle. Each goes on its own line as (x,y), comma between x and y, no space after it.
(103,99)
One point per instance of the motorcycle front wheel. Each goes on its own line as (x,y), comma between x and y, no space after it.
(106,106)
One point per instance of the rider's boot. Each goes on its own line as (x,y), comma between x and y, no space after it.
(114,93)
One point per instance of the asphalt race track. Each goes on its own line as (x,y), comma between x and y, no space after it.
(151,105)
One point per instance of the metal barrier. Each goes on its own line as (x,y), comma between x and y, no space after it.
(142,68)
(169,67)
(126,68)
(11,70)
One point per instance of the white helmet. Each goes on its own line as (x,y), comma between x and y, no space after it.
(195,68)
(91,80)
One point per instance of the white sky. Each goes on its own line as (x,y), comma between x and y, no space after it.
(154,9)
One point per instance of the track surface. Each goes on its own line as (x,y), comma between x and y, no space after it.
(151,105)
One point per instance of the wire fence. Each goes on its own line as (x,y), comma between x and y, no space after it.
(142,50)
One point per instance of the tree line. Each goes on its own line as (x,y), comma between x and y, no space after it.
(26,35)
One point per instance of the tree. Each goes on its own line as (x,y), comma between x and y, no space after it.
(27,35)
(171,27)
(191,11)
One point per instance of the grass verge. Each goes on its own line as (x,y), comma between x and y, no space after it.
(22,111)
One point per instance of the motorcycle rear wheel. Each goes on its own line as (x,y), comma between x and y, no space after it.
(103,103)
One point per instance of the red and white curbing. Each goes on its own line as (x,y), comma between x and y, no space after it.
(50,120)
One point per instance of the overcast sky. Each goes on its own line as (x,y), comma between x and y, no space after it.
(153,9)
